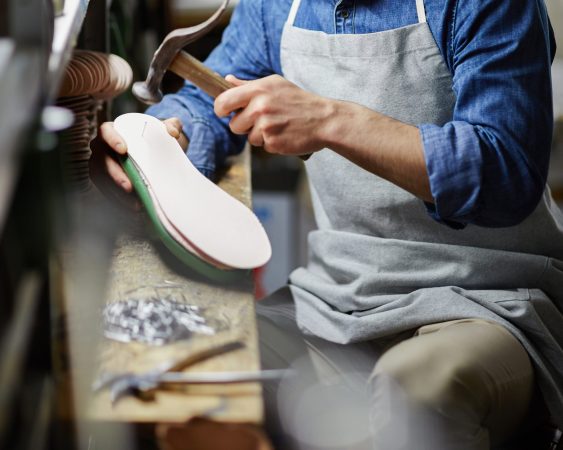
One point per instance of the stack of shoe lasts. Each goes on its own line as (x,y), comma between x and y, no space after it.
(90,79)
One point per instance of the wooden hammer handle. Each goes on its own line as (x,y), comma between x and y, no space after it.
(210,82)
(189,68)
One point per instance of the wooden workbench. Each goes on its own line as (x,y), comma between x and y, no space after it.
(141,268)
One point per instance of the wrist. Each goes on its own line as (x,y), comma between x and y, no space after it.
(335,114)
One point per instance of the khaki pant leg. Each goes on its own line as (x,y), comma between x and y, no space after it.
(324,406)
(464,384)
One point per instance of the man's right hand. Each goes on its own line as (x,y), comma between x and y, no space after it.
(108,146)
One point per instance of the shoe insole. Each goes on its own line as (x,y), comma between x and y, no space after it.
(152,203)
(216,224)
(190,259)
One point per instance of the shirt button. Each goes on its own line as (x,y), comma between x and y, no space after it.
(345,14)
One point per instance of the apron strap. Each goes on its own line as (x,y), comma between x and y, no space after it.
(293,12)
(421,11)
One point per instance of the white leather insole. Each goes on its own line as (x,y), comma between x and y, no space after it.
(211,220)
(177,236)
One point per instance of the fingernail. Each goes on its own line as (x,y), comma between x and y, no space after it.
(119,146)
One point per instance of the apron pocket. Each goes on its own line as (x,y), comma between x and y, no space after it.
(500,295)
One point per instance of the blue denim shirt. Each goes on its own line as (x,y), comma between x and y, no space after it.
(488,166)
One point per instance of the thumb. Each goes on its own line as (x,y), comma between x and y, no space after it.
(235,81)
(174,127)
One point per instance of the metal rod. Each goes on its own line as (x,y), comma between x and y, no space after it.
(220,377)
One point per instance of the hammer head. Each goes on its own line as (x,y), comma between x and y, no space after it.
(145,92)
(148,91)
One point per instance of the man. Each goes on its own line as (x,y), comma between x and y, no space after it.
(435,275)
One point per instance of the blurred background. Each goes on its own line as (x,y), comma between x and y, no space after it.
(555,8)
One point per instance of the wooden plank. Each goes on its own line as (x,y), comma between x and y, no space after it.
(142,269)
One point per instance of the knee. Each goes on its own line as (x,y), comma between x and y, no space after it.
(430,379)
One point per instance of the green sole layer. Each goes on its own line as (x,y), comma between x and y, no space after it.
(189,259)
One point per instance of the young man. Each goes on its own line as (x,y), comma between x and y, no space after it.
(435,274)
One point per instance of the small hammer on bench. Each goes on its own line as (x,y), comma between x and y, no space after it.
(170,56)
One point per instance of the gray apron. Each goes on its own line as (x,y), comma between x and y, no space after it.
(378,263)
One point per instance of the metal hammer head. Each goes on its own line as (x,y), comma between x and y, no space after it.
(148,91)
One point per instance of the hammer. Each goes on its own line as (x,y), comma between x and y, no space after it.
(170,56)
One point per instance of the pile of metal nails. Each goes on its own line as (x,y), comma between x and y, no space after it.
(153,321)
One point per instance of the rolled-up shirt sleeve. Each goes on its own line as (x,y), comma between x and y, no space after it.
(488,166)
(243,52)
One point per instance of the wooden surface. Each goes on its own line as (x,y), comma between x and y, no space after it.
(142,269)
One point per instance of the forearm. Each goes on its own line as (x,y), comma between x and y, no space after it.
(379,144)
(282,118)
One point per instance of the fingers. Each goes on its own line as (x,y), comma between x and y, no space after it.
(109,135)
(243,92)
(245,119)
(117,174)
(242,122)
(249,100)
(235,81)
(174,127)
(103,165)
(106,172)
(102,159)
(256,137)
(235,99)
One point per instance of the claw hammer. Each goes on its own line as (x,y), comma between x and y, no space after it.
(170,56)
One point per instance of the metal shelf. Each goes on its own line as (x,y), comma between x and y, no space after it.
(67,28)
(20,90)
(25,89)
(14,346)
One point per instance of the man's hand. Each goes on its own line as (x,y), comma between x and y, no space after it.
(276,114)
(105,169)
(283,118)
